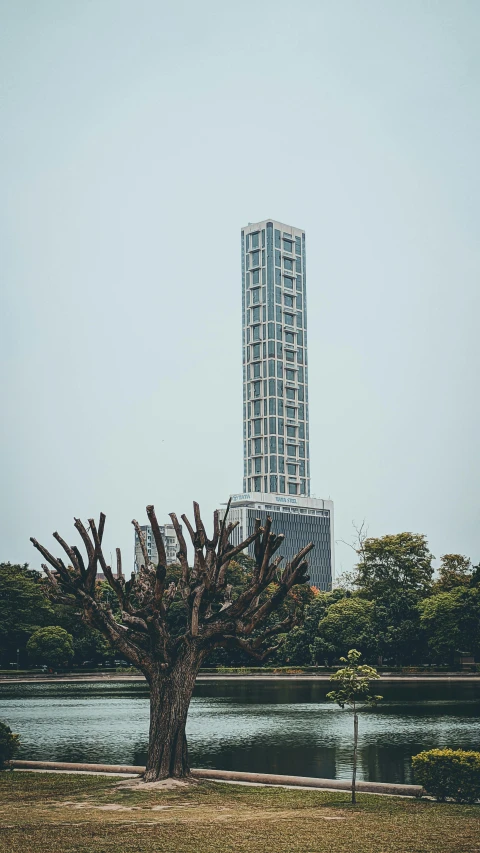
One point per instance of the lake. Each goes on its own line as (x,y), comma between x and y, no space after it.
(281,726)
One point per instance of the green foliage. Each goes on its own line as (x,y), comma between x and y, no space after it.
(52,645)
(23,608)
(449,773)
(455,570)
(8,744)
(354,683)
(347,623)
(394,563)
(451,623)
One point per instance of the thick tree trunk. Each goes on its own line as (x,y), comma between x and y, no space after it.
(170,696)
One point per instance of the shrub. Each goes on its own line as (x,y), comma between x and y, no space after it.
(452,773)
(8,744)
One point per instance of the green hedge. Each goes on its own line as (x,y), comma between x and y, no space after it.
(452,773)
(8,744)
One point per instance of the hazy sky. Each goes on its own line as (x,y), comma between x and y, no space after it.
(138,137)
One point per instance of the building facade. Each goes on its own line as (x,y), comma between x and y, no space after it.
(170,542)
(275,369)
(300,519)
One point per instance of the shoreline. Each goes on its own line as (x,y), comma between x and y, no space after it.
(72,679)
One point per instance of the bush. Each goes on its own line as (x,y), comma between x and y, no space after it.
(452,773)
(8,744)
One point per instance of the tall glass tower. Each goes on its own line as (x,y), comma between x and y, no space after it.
(275,373)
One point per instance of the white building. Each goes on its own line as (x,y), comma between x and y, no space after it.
(170,542)
(300,519)
(275,365)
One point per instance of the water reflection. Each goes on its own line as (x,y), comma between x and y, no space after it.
(283,727)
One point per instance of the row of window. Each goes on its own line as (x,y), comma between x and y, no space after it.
(291,409)
(276,484)
(294,394)
(252,241)
(289,336)
(274,427)
(257,277)
(275,465)
(262,369)
(274,388)
(272,444)
(289,264)
(288,241)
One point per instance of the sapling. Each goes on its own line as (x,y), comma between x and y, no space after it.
(355,693)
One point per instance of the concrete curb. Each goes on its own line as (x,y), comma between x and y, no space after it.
(233,776)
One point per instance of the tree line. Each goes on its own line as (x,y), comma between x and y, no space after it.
(391,608)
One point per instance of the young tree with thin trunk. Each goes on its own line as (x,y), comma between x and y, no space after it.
(170,661)
(354,691)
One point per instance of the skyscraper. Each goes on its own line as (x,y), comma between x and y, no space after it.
(275,372)
(276,479)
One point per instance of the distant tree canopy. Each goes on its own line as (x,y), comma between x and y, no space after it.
(52,646)
(23,608)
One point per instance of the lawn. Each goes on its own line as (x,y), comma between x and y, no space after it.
(62,813)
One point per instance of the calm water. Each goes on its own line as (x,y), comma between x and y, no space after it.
(282,727)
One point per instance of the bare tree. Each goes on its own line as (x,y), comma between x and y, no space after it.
(171,662)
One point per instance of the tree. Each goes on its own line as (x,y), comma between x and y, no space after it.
(395,563)
(52,645)
(354,680)
(346,622)
(451,623)
(455,570)
(23,607)
(170,659)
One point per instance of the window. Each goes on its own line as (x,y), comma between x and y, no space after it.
(302,450)
(272,426)
(257,484)
(277,238)
(256,333)
(278,313)
(256,370)
(298,246)
(278,278)
(272,406)
(301,431)
(301,469)
(290,356)
(299,301)
(300,374)
(280,426)
(279,349)
(258,465)
(291,470)
(288,245)
(292,488)
(273,444)
(301,411)
(303,487)
(256,351)
(279,369)
(281,465)
(256,277)
(291,412)
(290,393)
(291,449)
(288,319)
(255,259)
(289,338)
(271,387)
(271,349)
(273,484)
(282,485)
(256,315)
(271,368)
(288,282)
(288,264)
(279,389)
(257,427)
(278,294)
(280,445)
(278,258)
(255,240)
(280,407)
(271,330)
(273,464)
(279,332)
(298,265)
(299,283)
(288,300)
(290,374)
(256,408)
(256,295)
(256,389)
(291,431)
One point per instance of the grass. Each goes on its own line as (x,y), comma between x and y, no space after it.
(62,813)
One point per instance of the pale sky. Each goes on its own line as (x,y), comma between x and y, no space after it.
(137,139)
